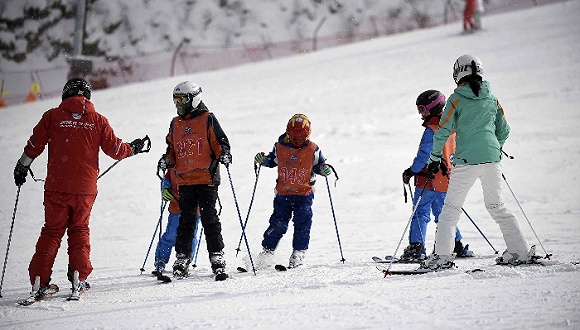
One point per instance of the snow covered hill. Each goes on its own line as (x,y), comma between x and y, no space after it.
(360,99)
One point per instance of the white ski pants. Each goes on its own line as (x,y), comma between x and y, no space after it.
(462,179)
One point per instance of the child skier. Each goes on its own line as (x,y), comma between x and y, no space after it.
(298,160)
(196,144)
(170,194)
(430,105)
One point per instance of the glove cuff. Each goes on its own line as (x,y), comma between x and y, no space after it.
(25,160)
(434,158)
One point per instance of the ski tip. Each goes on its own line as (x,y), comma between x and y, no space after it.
(242,270)
(221,277)
(280,268)
(164,278)
(475,270)
(26,302)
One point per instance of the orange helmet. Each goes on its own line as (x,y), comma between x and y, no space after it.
(298,129)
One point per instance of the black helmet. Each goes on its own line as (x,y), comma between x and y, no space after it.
(430,104)
(76,86)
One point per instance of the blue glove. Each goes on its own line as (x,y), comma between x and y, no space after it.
(167,195)
(259,159)
(326,170)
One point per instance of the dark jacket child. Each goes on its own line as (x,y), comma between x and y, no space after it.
(196,144)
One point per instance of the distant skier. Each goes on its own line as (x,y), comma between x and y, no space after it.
(479,122)
(196,144)
(468,24)
(74,132)
(298,160)
(430,105)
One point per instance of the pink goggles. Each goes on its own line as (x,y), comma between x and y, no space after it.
(424,110)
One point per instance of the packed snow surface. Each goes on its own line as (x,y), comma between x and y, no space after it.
(361,101)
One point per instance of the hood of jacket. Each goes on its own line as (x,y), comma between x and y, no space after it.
(465,90)
(77,104)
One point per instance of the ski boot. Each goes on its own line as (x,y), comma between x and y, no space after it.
(296,258)
(218,265)
(181,266)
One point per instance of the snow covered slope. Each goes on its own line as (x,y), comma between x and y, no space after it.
(360,99)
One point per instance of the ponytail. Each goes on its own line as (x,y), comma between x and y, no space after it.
(475,86)
(474,80)
(474,83)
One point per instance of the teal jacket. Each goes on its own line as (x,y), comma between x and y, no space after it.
(480,125)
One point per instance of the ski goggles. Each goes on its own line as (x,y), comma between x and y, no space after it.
(180,99)
(424,110)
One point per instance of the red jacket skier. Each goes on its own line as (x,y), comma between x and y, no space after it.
(74,132)
(468,23)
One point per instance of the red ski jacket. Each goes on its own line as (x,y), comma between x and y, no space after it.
(74,132)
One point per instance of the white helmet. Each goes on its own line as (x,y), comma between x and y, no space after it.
(186,97)
(467,65)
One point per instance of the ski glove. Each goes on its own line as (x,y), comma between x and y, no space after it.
(326,170)
(226,158)
(20,172)
(259,159)
(163,163)
(443,168)
(137,145)
(407,175)
(21,169)
(433,167)
(167,195)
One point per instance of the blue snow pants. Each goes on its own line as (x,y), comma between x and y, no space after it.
(167,241)
(286,207)
(432,201)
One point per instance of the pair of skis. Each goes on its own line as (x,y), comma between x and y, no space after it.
(39,294)
(50,291)
(278,267)
(418,271)
(166,279)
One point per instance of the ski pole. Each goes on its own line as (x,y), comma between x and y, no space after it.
(157,226)
(411,192)
(9,239)
(240,218)
(257,170)
(548,255)
(197,249)
(386,271)
(334,217)
(146,140)
(473,222)
(160,225)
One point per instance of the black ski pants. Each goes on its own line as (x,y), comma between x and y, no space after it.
(190,197)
